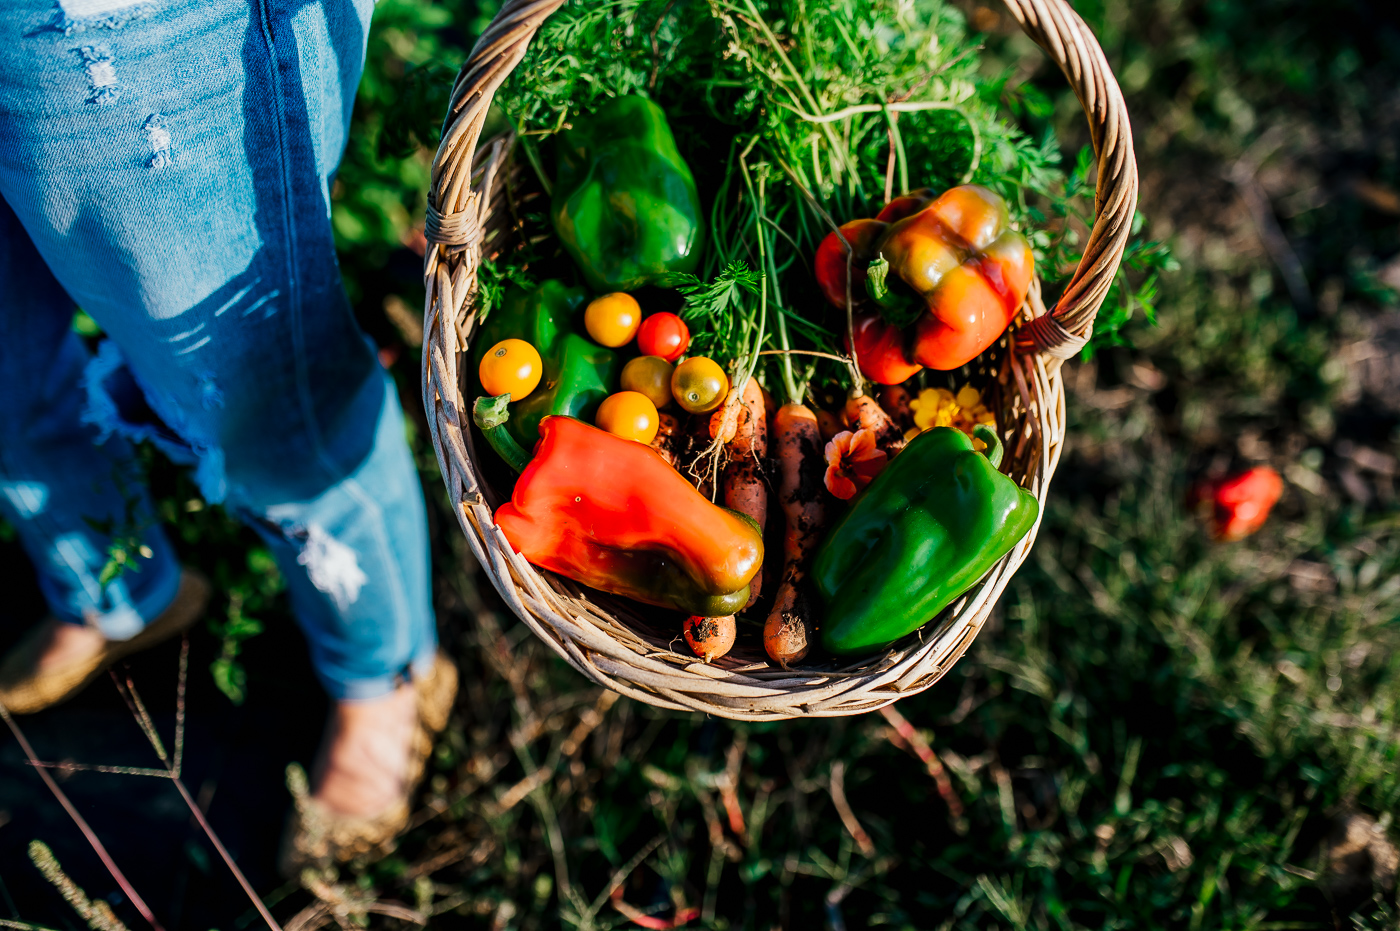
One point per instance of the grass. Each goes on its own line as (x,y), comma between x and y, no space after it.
(1155,731)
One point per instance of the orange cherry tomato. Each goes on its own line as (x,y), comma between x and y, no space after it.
(630,415)
(612,319)
(651,376)
(699,385)
(664,335)
(512,367)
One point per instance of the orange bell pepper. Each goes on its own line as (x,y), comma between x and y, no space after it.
(957,269)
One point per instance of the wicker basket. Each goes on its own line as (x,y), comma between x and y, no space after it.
(612,641)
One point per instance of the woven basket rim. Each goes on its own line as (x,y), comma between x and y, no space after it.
(468,190)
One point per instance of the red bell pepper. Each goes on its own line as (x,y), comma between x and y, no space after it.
(1237,506)
(906,205)
(830,262)
(881,351)
(611,514)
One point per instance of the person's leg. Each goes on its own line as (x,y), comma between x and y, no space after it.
(77,500)
(172,163)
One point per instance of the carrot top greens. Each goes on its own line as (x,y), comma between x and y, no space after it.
(796,117)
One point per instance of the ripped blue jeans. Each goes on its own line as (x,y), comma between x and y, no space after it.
(166,166)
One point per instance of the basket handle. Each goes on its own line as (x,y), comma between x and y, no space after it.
(455,212)
(1058,30)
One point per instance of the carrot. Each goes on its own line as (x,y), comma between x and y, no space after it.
(744,488)
(829,424)
(725,421)
(710,637)
(787,632)
(751,423)
(862,413)
(693,441)
(895,401)
(668,438)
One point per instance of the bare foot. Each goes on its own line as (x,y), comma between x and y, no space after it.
(63,644)
(363,765)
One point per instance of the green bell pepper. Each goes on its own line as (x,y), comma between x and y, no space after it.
(578,373)
(922,533)
(625,204)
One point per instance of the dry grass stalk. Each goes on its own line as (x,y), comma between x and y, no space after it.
(98,915)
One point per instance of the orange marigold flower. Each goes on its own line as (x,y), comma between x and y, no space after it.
(852,462)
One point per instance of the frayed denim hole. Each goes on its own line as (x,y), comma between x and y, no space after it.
(158,138)
(74,16)
(103,86)
(331,566)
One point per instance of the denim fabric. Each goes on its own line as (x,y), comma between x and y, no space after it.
(169,163)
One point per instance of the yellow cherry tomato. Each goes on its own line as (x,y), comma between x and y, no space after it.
(630,415)
(512,367)
(651,376)
(612,320)
(699,385)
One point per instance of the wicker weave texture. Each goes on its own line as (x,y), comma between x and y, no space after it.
(608,640)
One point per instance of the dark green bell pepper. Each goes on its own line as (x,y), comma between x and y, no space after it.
(922,533)
(624,203)
(578,373)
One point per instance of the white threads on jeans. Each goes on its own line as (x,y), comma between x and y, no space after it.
(70,16)
(332,567)
(102,74)
(158,137)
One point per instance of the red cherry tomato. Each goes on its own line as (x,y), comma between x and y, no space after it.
(664,335)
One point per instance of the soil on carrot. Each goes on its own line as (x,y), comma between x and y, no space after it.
(1154,730)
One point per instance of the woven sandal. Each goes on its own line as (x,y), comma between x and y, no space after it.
(317,837)
(24,690)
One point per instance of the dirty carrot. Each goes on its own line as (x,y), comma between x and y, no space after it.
(894,399)
(829,424)
(710,637)
(725,421)
(744,488)
(787,632)
(695,454)
(668,438)
(862,413)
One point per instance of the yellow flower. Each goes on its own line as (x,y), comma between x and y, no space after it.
(939,407)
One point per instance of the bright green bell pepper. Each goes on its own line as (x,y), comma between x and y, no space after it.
(922,533)
(578,373)
(625,204)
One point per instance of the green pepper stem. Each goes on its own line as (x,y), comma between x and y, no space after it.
(875,279)
(986,434)
(897,307)
(491,415)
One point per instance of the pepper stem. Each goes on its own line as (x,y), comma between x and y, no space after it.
(491,415)
(896,306)
(875,279)
(986,434)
